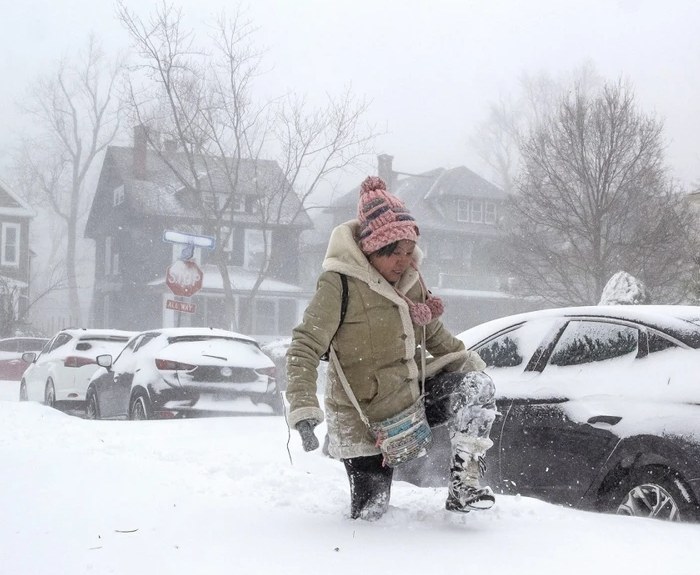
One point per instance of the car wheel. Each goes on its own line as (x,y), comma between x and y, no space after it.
(50,393)
(654,492)
(140,408)
(91,409)
(23,396)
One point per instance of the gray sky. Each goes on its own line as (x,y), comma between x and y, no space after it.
(430,67)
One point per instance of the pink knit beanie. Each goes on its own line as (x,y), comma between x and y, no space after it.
(383,217)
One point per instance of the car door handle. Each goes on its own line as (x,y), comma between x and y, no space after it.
(605,419)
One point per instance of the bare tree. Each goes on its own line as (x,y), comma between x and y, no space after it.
(75,117)
(200,96)
(594,198)
(498,138)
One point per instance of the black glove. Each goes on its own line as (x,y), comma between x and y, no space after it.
(306,429)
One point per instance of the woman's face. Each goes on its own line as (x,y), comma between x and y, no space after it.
(394,265)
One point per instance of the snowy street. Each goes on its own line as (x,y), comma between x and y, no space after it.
(220,495)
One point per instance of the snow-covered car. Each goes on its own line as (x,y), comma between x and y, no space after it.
(599,408)
(181,372)
(11,349)
(62,370)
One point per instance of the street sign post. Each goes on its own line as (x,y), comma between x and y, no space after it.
(183,277)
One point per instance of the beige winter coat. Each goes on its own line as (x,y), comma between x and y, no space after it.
(376,346)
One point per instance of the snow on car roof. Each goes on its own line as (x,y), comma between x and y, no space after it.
(88,333)
(200,331)
(673,316)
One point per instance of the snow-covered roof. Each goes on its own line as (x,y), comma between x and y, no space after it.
(11,204)
(162,193)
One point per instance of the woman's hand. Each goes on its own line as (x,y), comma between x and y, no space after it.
(305,428)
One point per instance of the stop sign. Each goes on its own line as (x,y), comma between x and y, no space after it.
(184,278)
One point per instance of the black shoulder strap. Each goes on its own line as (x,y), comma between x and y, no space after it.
(343,307)
(344,298)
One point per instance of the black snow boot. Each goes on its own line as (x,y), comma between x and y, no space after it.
(370,486)
(463,491)
(467,466)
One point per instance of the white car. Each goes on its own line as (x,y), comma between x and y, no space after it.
(62,370)
(184,372)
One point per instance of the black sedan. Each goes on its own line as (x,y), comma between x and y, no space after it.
(181,372)
(599,408)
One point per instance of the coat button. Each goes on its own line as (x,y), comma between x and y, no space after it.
(404,336)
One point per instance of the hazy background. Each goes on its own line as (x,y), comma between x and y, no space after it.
(430,68)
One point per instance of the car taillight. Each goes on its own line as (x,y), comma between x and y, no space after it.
(168,365)
(77,361)
(269,371)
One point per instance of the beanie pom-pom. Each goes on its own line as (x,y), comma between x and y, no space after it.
(436,306)
(372,183)
(421,314)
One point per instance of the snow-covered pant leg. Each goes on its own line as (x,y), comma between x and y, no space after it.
(465,401)
(370,486)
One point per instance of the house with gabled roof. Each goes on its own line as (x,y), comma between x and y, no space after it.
(139,197)
(458,213)
(15,255)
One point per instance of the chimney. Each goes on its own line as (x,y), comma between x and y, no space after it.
(140,150)
(385,170)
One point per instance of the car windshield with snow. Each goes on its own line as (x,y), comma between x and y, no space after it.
(181,372)
(598,409)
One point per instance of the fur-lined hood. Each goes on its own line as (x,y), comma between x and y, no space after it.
(344,256)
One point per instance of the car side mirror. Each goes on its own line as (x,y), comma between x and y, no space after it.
(28,356)
(104,360)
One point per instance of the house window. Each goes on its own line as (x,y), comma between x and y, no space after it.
(490,213)
(257,249)
(211,201)
(462,210)
(118,195)
(477,211)
(10,245)
(233,245)
(237,204)
(265,317)
(251,204)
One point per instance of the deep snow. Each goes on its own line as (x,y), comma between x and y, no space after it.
(220,495)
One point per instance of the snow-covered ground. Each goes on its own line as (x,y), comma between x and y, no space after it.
(221,495)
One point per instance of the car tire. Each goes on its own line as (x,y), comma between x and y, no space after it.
(23,395)
(140,408)
(50,393)
(655,492)
(92,411)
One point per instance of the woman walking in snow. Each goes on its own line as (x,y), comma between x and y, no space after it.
(388,313)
